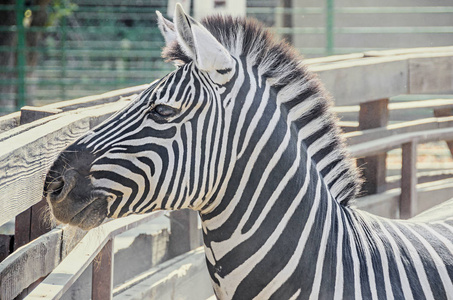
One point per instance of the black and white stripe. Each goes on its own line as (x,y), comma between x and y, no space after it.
(254,148)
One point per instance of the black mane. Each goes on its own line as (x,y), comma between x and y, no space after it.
(282,65)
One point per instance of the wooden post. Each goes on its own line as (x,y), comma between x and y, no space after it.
(5,245)
(31,223)
(102,278)
(185,235)
(445,112)
(408,198)
(373,114)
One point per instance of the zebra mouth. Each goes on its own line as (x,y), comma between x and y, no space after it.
(91,215)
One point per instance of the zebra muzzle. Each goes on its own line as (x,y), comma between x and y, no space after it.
(58,189)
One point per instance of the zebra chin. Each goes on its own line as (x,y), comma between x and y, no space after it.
(86,213)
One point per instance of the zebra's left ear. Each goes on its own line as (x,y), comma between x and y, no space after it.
(166,28)
(199,44)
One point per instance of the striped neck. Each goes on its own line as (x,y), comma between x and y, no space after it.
(274,195)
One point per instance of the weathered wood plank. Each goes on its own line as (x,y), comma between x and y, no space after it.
(71,237)
(434,103)
(67,272)
(386,204)
(358,81)
(25,158)
(357,137)
(392,142)
(99,99)
(102,274)
(29,263)
(174,279)
(431,75)
(12,120)
(9,121)
(439,212)
(28,224)
(185,234)
(406,51)
(32,113)
(17,263)
(355,81)
(333,58)
(146,251)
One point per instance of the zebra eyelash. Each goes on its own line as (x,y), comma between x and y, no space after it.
(224,71)
(162,111)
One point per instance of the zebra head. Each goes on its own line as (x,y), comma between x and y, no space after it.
(156,153)
(238,115)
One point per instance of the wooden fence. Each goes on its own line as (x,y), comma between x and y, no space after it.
(43,265)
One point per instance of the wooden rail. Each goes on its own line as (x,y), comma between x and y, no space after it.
(95,246)
(31,139)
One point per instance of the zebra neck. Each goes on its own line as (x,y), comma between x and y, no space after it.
(273,231)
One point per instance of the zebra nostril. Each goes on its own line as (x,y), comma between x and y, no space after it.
(55,187)
(58,189)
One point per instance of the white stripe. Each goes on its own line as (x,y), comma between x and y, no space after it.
(327,228)
(407,291)
(339,272)
(368,261)
(418,264)
(294,261)
(441,268)
(221,248)
(385,264)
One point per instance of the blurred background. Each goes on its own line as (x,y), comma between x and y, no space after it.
(54,50)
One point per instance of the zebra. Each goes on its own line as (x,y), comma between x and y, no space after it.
(243,133)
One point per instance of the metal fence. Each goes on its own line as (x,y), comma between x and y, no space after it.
(86,47)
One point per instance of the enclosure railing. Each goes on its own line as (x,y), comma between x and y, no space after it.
(86,47)
(363,83)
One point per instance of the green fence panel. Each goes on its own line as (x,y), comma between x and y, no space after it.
(93,46)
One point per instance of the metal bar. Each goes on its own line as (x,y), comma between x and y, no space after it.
(424,29)
(63,56)
(284,10)
(363,30)
(395,10)
(21,56)
(288,20)
(395,29)
(353,10)
(330,37)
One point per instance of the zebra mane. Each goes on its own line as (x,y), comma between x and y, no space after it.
(299,90)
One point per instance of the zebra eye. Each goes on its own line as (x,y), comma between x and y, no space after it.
(163,111)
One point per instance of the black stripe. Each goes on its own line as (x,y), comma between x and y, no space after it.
(428,263)
(408,263)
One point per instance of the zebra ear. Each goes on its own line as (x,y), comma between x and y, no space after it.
(166,28)
(199,44)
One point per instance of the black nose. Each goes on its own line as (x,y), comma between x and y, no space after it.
(57,188)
